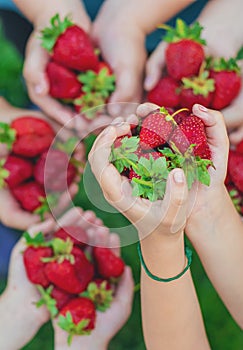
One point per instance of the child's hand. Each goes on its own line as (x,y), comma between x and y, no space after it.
(164,216)
(108,323)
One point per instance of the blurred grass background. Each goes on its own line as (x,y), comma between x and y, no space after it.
(222,331)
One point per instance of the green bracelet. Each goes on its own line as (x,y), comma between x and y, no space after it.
(188,253)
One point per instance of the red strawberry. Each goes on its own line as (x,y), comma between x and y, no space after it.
(63,82)
(20,169)
(29,195)
(132,174)
(227,82)
(108,264)
(197,89)
(77,235)
(34,136)
(239,147)
(184,54)
(77,317)
(35,266)
(191,131)
(165,93)
(61,297)
(69,45)
(101,293)
(72,273)
(156,129)
(235,168)
(54,170)
(102,65)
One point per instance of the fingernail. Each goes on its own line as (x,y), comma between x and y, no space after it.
(107,130)
(179,176)
(202,108)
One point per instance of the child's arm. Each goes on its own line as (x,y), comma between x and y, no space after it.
(171,313)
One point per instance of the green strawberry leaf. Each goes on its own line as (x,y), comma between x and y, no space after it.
(67,146)
(124,156)
(102,82)
(4,173)
(100,295)
(66,323)
(7,135)
(221,64)
(47,203)
(50,34)
(62,251)
(239,55)
(47,300)
(200,85)
(36,241)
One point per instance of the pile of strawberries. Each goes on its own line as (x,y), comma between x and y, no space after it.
(73,278)
(190,76)
(77,76)
(33,170)
(162,141)
(234,178)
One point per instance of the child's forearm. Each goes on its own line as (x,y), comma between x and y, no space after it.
(171,313)
(217,235)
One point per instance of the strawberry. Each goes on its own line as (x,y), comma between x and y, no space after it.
(70,270)
(32,257)
(197,89)
(69,45)
(102,65)
(61,297)
(226,74)
(184,53)
(101,293)
(33,136)
(191,131)
(19,169)
(108,264)
(165,93)
(77,235)
(29,195)
(77,317)
(156,129)
(235,168)
(239,147)
(63,82)
(54,170)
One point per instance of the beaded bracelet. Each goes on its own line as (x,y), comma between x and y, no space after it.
(188,253)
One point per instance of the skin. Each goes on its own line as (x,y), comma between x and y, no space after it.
(160,227)
(20,295)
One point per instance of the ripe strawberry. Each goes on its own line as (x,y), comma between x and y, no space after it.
(77,317)
(71,271)
(63,82)
(61,297)
(197,89)
(239,147)
(77,235)
(29,195)
(100,292)
(165,93)
(34,136)
(156,129)
(184,54)
(191,131)
(54,170)
(102,65)
(69,45)
(108,264)
(235,168)
(19,169)
(35,267)
(227,82)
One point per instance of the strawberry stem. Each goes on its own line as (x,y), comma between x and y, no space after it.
(143,182)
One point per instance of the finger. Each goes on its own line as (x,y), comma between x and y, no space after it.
(44,227)
(174,205)
(114,243)
(65,200)
(144,109)
(100,236)
(233,114)
(71,217)
(236,136)
(154,67)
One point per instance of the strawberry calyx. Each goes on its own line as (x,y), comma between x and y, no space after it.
(102,82)
(57,27)
(68,146)
(201,84)
(4,173)
(183,31)
(100,294)
(47,300)
(239,55)
(67,324)
(235,197)
(222,64)
(62,251)
(47,203)
(38,240)
(7,135)
(88,103)
(124,156)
